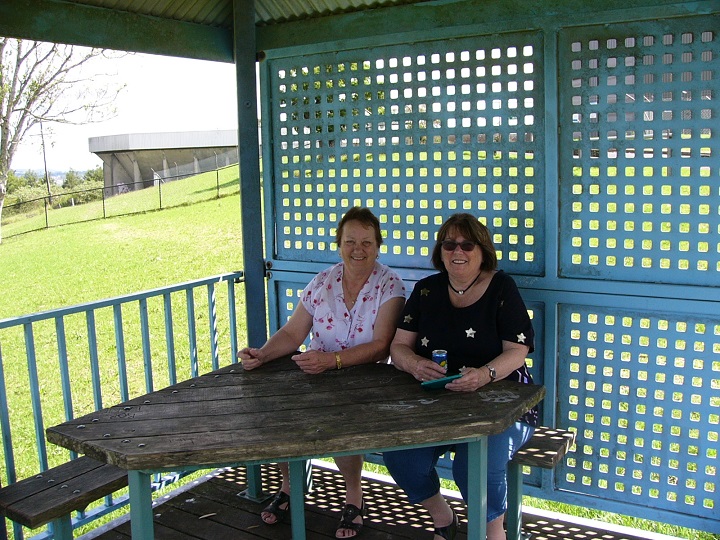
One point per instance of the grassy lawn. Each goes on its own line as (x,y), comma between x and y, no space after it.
(92,260)
(203,187)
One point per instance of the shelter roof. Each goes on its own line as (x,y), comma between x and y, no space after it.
(201,29)
(220,12)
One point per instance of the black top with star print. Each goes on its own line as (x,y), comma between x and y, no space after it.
(472,335)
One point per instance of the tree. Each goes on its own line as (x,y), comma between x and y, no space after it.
(14,181)
(47,82)
(72,180)
(94,175)
(32,179)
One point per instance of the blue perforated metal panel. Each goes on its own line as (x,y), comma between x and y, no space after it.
(640,391)
(419,131)
(640,157)
(416,133)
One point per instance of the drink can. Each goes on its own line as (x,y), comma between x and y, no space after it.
(439,356)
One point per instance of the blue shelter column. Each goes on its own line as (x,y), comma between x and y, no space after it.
(251,208)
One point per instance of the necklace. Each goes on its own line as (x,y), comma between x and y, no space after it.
(349,298)
(463,291)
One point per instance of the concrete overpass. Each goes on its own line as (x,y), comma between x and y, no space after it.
(138,160)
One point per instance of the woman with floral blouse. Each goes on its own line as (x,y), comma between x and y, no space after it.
(350,311)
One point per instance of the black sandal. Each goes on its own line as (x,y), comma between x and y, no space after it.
(449,531)
(349,513)
(280,498)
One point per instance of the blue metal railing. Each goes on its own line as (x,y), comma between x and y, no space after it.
(122,339)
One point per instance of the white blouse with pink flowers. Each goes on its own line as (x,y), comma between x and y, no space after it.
(334,326)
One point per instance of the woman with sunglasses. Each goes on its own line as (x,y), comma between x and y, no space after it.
(475,313)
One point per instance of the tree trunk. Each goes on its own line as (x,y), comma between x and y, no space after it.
(3,190)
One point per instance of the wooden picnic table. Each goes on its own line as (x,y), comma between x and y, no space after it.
(277,413)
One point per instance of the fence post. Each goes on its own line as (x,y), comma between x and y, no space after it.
(47,219)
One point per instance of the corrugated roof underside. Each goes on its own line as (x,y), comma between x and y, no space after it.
(219,12)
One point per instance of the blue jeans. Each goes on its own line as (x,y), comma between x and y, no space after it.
(414,469)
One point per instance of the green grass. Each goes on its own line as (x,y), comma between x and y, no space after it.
(203,187)
(89,261)
(93,260)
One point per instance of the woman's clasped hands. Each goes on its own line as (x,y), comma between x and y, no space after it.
(251,358)
(427,370)
(311,362)
(471,379)
(314,362)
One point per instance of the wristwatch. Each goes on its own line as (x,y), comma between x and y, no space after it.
(493,374)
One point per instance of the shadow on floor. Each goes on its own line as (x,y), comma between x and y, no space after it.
(212,509)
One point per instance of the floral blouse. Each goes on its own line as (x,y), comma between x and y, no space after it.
(334,326)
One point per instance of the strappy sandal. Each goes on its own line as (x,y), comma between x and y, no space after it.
(449,531)
(281,498)
(349,513)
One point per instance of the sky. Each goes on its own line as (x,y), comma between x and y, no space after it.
(162,94)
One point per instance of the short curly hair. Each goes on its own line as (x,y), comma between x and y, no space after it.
(364,216)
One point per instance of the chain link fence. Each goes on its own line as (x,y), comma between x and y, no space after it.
(99,202)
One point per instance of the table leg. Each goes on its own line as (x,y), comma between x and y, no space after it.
(254,491)
(514,507)
(297,499)
(477,489)
(141,511)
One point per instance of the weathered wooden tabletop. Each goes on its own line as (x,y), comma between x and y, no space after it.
(277,412)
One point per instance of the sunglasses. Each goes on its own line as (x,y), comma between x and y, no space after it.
(450,245)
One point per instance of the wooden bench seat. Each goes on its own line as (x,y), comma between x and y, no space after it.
(53,495)
(545,449)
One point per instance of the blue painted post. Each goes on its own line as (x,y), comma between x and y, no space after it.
(94,359)
(192,334)
(477,489)
(297,499)
(232,320)
(145,332)
(212,319)
(514,501)
(120,352)
(62,528)
(141,512)
(250,197)
(35,395)
(170,339)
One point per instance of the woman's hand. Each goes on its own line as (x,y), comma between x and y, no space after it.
(471,380)
(251,358)
(314,362)
(427,370)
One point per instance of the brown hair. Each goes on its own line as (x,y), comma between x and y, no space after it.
(471,229)
(364,216)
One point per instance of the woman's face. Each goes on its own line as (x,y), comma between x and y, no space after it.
(461,263)
(358,247)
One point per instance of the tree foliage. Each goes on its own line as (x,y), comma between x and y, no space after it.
(47,82)
(94,175)
(72,180)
